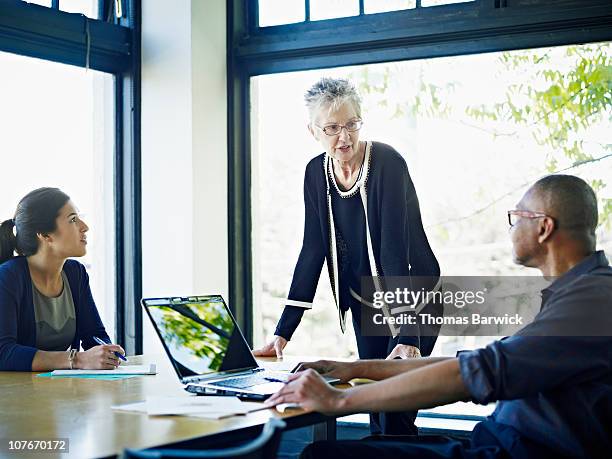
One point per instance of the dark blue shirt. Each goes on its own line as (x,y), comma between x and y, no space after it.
(351,237)
(17,318)
(553,385)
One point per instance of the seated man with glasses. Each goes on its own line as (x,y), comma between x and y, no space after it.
(552,379)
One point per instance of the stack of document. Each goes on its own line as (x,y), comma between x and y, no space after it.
(208,407)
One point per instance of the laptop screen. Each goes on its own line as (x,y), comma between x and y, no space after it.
(200,334)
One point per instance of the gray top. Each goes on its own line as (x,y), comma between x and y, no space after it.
(55,319)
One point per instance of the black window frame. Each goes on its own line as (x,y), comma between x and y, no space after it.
(446,30)
(112,47)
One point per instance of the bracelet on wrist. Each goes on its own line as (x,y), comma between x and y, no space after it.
(71,357)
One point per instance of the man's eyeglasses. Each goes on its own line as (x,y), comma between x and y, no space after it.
(514,215)
(335,129)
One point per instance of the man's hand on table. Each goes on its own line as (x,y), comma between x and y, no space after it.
(308,389)
(344,371)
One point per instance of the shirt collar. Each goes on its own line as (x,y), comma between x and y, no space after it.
(592,262)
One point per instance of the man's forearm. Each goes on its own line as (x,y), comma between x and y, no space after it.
(433,384)
(383,369)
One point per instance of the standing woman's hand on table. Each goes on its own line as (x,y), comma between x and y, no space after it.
(404,351)
(272,349)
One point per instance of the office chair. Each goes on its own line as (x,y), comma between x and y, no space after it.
(262,447)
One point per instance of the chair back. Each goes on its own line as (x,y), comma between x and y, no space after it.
(265,446)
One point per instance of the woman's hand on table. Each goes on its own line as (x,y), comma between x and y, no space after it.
(273,349)
(404,351)
(99,358)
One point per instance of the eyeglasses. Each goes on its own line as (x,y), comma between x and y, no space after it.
(513,216)
(335,129)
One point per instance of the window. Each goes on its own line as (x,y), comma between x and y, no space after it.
(276,12)
(330,9)
(442,2)
(472,145)
(58,130)
(279,12)
(376,6)
(88,8)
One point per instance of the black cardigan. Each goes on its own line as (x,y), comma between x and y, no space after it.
(399,243)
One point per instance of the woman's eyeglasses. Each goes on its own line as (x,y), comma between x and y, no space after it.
(335,129)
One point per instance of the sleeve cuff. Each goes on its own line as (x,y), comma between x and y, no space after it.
(475,378)
(289,321)
(284,332)
(409,340)
(299,304)
(20,359)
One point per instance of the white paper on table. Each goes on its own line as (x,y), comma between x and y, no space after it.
(207,406)
(121,370)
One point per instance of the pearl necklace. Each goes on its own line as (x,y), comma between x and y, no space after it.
(361,178)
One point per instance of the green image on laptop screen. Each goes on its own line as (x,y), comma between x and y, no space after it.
(200,335)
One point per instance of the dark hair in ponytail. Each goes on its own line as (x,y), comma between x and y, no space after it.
(36,214)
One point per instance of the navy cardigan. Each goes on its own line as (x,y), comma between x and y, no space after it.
(17,321)
(399,243)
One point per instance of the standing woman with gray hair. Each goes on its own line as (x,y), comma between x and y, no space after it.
(362,216)
(47,311)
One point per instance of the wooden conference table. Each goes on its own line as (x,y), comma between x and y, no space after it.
(39,408)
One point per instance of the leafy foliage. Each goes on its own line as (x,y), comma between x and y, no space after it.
(556,102)
(559,104)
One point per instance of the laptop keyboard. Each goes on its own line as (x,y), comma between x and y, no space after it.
(245,381)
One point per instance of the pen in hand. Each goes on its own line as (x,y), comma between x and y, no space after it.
(284,381)
(99,341)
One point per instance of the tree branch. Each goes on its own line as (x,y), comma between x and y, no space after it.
(514,190)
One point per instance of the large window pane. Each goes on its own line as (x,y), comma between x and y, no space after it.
(58,130)
(472,145)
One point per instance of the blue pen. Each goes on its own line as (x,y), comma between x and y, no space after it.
(284,381)
(99,341)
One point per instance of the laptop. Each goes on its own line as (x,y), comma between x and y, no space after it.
(207,349)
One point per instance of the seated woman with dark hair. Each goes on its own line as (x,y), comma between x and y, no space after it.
(47,311)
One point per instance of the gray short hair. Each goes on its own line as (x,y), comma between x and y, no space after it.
(331,92)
